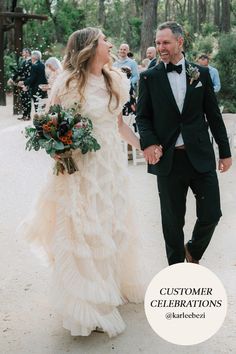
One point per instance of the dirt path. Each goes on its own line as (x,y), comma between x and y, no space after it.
(29,325)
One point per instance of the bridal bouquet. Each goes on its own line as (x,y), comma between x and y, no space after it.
(59,132)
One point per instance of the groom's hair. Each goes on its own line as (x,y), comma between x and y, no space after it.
(175,28)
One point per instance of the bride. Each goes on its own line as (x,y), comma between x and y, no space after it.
(83,223)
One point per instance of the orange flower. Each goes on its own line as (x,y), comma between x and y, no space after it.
(69,133)
(46,128)
(63,139)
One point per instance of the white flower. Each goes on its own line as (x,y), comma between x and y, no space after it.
(193,73)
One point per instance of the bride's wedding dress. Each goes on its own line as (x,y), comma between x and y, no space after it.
(85,224)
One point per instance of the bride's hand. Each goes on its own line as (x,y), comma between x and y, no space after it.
(57,157)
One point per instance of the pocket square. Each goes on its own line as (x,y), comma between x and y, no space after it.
(199,84)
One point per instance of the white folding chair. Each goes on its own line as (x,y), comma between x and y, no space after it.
(137,155)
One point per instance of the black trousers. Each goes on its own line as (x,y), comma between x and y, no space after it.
(25,97)
(173,191)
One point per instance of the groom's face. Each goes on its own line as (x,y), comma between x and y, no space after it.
(169,47)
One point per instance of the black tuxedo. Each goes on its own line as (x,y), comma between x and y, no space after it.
(37,77)
(21,74)
(160,122)
(152,63)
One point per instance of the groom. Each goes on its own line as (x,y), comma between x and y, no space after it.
(176,104)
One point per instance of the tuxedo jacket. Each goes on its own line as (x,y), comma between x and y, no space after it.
(23,71)
(160,121)
(152,63)
(37,77)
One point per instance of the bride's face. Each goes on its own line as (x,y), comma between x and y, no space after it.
(103,50)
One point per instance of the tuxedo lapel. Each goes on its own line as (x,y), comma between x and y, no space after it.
(165,85)
(189,88)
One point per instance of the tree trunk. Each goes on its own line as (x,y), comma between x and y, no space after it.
(138,4)
(167,9)
(2,91)
(101,13)
(225,17)
(181,8)
(148,25)
(202,12)
(195,19)
(190,11)
(217,13)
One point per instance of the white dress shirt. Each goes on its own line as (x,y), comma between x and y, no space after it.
(178,86)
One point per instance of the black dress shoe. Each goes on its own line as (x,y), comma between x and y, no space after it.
(27,118)
(21,118)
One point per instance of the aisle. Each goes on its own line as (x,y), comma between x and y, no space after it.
(28,323)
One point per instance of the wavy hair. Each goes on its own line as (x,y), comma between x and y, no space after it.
(80,52)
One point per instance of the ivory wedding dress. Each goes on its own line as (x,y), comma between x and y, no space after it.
(85,225)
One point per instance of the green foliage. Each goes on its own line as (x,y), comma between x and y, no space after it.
(135,32)
(122,23)
(64,17)
(201,44)
(226,63)
(209,29)
(204,44)
(9,66)
(68,18)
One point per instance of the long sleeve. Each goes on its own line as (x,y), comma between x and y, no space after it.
(215,79)
(145,115)
(135,74)
(33,77)
(215,119)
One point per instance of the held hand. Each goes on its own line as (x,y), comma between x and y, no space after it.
(153,154)
(56,157)
(20,83)
(224,164)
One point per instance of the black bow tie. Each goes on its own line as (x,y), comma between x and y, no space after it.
(171,67)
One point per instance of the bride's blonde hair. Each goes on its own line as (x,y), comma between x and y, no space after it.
(80,52)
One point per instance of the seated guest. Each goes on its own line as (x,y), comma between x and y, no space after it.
(203,60)
(124,60)
(151,54)
(53,68)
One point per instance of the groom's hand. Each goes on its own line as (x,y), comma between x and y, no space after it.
(153,154)
(224,164)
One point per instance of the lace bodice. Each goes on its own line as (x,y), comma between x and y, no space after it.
(95,105)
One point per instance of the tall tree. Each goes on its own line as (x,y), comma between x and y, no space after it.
(217,13)
(181,6)
(190,11)
(195,18)
(138,6)
(167,9)
(202,7)
(225,17)
(148,25)
(101,13)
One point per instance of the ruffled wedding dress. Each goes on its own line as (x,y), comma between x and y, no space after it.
(84,223)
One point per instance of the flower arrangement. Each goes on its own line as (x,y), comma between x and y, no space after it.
(193,73)
(59,132)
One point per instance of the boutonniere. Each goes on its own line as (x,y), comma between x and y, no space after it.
(193,73)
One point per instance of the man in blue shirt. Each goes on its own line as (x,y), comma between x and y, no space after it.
(203,60)
(125,61)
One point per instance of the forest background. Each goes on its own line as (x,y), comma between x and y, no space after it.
(210,27)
